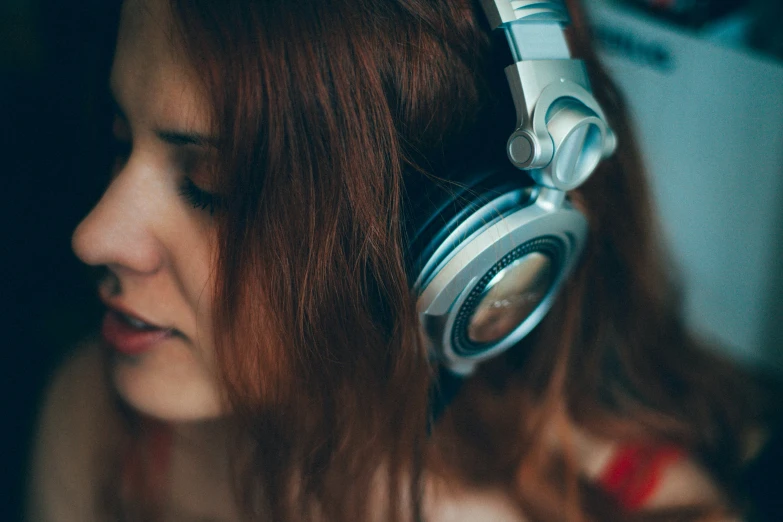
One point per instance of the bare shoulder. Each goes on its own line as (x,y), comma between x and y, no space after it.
(77,424)
(450,503)
(683,483)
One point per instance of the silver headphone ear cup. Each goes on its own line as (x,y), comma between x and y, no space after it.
(507,296)
(492,288)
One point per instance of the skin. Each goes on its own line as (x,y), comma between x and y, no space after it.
(157,247)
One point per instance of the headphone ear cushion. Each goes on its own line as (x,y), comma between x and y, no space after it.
(436,207)
(496,275)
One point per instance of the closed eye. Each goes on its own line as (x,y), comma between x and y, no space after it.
(199,198)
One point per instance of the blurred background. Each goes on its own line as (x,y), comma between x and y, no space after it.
(54,122)
(704,83)
(703,78)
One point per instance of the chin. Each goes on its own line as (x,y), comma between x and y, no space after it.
(165,389)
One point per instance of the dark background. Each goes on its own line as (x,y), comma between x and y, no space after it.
(54,156)
(54,127)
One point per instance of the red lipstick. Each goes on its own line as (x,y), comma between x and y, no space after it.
(130,335)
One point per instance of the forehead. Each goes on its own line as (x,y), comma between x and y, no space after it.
(151,77)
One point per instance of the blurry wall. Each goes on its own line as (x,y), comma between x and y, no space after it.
(708,110)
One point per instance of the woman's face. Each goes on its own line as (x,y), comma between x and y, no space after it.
(152,229)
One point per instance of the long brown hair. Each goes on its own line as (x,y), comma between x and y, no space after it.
(328,111)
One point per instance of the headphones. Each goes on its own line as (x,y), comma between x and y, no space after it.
(488,258)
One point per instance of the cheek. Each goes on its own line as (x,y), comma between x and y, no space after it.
(197,279)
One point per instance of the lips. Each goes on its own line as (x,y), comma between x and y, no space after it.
(130,335)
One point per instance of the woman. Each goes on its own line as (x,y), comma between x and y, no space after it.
(260,357)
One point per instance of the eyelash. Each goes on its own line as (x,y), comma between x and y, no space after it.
(198,198)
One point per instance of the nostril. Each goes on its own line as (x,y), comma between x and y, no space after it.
(108,282)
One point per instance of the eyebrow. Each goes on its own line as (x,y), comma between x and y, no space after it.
(177,138)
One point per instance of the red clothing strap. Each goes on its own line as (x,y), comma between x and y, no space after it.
(146,464)
(635,472)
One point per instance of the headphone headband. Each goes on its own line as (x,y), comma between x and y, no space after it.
(488,260)
(533,28)
(561,133)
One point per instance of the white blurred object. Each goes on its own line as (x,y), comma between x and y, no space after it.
(710,125)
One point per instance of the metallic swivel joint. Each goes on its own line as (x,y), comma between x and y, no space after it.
(561,133)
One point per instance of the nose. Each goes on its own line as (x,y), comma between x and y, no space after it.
(119,232)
